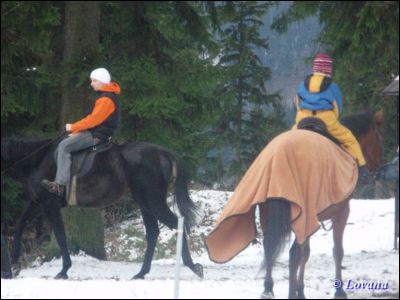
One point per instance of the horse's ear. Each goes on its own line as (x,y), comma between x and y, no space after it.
(378,116)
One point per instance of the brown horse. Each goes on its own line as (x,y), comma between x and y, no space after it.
(366,128)
(299,179)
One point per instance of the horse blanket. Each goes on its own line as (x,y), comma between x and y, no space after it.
(300,166)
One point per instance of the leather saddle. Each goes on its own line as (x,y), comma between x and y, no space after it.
(318,126)
(82,160)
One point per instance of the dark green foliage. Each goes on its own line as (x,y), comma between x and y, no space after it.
(27,81)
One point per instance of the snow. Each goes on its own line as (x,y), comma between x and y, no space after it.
(369,258)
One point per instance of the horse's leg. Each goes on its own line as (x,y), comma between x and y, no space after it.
(295,255)
(275,221)
(187,259)
(305,254)
(52,208)
(168,218)
(5,260)
(339,223)
(29,213)
(268,292)
(152,232)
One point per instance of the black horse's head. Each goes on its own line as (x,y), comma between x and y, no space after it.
(21,151)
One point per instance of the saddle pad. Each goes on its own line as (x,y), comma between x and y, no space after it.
(301,166)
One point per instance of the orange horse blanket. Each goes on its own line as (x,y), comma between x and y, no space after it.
(300,166)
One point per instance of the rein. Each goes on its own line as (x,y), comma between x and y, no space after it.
(32,153)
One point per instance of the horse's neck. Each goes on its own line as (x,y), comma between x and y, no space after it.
(29,152)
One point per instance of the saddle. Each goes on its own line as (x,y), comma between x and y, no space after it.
(318,126)
(82,160)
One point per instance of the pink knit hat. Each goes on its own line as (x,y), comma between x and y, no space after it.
(322,64)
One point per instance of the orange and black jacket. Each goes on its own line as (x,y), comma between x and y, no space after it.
(105,114)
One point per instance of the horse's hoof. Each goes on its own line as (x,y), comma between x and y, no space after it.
(198,270)
(301,296)
(267,295)
(61,276)
(16,269)
(138,276)
(6,275)
(340,294)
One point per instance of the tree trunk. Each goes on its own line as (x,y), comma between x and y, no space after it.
(82,28)
(84,228)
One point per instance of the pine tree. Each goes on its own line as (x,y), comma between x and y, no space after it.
(245,102)
(27,82)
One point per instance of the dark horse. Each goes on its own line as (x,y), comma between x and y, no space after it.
(142,168)
(366,128)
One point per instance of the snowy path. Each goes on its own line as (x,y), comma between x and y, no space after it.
(368,258)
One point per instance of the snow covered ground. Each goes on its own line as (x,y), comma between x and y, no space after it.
(369,258)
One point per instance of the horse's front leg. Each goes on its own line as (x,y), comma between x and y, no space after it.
(29,213)
(5,260)
(52,208)
(339,223)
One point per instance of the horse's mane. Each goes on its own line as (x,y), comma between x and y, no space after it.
(359,123)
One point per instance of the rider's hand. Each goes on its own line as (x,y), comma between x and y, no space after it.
(68,127)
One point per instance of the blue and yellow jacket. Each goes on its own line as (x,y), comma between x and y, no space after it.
(318,92)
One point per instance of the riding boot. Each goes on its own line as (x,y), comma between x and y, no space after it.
(53,187)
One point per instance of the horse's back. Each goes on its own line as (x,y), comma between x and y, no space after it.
(304,142)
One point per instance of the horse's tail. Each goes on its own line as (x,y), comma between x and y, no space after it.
(187,207)
(277,231)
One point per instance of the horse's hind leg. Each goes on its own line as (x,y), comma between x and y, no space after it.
(268,292)
(339,223)
(169,219)
(305,254)
(52,208)
(295,255)
(187,259)
(152,232)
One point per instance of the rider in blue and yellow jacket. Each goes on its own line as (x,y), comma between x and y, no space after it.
(318,96)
